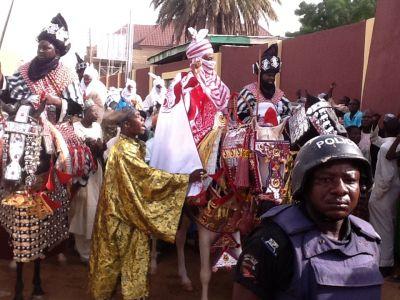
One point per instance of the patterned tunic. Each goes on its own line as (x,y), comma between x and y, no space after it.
(248,97)
(60,82)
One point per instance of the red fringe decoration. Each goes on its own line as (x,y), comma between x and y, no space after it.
(63,177)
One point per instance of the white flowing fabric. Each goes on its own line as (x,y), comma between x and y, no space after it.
(174,149)
(84,204)
(382,203)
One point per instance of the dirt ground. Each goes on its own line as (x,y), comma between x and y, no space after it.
(69,281)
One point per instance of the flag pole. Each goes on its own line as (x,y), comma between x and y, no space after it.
(5,25)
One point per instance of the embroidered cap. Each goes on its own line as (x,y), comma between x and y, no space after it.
(57,34)
(270,62)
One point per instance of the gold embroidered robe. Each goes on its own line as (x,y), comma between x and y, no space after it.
(136,201)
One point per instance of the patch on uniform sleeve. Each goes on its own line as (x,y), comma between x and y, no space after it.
(272,246)
(248,266)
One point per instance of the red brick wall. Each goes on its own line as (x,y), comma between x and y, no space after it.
(382,88)
(236,70)
(314,61)
(179,65)
(236,65)
(142,82)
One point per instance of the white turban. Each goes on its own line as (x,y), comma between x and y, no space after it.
(91,72)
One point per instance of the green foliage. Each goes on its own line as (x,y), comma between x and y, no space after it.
(219,16)
(332,13)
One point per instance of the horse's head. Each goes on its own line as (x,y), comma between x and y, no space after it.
(311,100)
(315,117)
(271,133)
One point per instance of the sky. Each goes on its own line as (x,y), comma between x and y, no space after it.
(28,17)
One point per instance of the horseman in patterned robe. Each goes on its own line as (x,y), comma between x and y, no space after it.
(41,94)
(272,105)
(191,110)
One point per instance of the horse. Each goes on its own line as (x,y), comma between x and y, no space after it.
(39,160)
(219,209)
(267,184)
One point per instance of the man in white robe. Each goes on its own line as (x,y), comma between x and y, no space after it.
(157,94)
(84,204)
(385,194)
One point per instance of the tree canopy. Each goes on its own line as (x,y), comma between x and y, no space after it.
(219,16)
(332,13)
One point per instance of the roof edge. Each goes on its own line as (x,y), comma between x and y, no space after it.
(215,39)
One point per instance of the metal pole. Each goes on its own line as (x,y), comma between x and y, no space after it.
(5,25)
(108,59)
(130,49)
(258,83)
(90,46)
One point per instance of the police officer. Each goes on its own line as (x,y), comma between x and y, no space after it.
(315,248)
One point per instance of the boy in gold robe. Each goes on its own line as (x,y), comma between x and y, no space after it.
(136,201)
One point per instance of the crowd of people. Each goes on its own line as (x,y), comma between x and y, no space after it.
(116,200)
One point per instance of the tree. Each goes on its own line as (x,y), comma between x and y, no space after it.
(332,13)
(219,16)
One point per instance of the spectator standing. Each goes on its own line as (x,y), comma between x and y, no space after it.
(384,195)
(354,116)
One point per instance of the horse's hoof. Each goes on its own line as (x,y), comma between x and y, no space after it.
(37,297)
(187,286)
(18,297)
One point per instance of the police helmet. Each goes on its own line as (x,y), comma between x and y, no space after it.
(321,150)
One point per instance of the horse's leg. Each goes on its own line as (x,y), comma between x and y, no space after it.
(180,248)
(19,286)
(206,237)
(153,255)
(37,282)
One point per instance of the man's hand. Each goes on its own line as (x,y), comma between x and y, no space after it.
(37,112)
(53,100)
(196,67)
(97,147)
(197,175)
